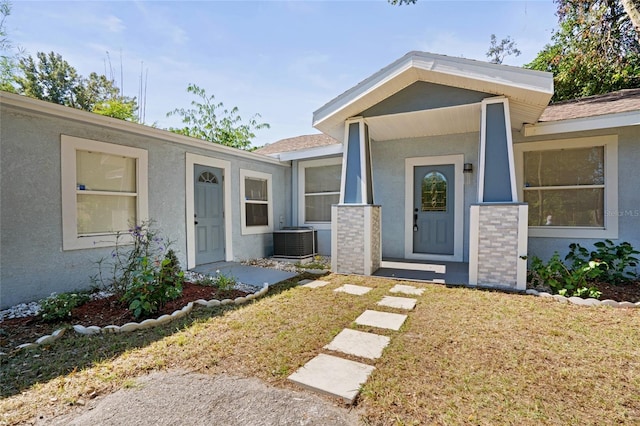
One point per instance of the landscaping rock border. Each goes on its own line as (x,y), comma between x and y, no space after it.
(583,302)
(148,323)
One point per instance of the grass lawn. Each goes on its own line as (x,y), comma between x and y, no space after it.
(463,356)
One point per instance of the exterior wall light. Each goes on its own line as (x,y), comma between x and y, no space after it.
(468,171)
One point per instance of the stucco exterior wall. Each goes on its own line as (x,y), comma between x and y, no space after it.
(32,261)
(388,160)
(628,209)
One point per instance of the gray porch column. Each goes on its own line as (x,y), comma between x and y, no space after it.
(355,222)
(498,229)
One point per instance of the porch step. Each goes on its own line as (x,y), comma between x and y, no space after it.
(334,376)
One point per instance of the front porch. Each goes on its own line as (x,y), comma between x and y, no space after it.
(454,273)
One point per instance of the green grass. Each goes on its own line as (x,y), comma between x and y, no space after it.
(462,357)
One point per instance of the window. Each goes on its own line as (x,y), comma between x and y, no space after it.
(256,198)
(570,187)
(434,192)
(319,189)
(104,191)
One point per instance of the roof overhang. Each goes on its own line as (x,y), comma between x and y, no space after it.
(528,91)
(55,110)
(608,121)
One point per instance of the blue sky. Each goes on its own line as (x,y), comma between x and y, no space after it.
(280,59)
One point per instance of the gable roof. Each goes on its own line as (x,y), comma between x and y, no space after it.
(297,143)
(529,91)
(609,103)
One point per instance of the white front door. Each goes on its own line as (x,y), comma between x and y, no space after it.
(434,207)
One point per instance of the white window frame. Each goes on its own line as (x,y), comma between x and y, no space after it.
(248,230)
(610,145)
(69,146)
(302,166)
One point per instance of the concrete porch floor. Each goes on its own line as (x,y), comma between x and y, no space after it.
(454,273)
(251,275)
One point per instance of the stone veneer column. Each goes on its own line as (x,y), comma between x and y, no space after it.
(355,238)
(498,242)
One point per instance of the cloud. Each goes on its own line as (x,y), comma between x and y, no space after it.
(113,24)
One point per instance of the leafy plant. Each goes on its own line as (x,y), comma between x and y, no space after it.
(618,262)
(225,282)
(563,280)
(152,288)
(59,306)
(144,274)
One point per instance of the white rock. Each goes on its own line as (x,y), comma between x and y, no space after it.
(27,345)
(148,323)
(213,303)
(251,296)
(111,329)
(626,305)
(163,319)
(609,302)
(94,329)
(226,301)
(80,329)
(239,300)
(58,333)
(545,294)
(45,340)
(532,291)
(560,298)
(201,302)
(130,326)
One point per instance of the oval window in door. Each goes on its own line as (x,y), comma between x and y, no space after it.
(434,192)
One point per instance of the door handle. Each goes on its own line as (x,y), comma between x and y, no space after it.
(415,220)
(195,222)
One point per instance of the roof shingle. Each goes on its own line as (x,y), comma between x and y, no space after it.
(609,103)
(297,143)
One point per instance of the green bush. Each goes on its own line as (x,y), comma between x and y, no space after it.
(225,282)
(153,287)
(141,271)
(59,306)
(618,262)
(563,280)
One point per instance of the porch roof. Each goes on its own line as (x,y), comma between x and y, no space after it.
(528,91)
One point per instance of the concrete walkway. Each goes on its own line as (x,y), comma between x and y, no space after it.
(343,378)
(251,275)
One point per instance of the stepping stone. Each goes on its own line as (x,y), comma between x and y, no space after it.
(407,289)
(312,284)
(359,343)
(398,302)
(381,319)
(334,376)
(353,289)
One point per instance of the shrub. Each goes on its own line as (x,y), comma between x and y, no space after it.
(143,274)
(59,306)
(618,262)
(563,280)
(225,282)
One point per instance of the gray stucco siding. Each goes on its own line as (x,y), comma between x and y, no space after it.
(388,160)
(628,208)
(422,95)
(497,177)
(32,261)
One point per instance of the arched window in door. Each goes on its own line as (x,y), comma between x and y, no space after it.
(434,192)
(208,177)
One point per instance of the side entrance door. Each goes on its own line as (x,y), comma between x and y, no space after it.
(209,214)
(434,209)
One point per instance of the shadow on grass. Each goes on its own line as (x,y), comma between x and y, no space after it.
(24,368)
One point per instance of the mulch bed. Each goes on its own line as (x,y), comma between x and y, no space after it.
(620,293)
(102,312)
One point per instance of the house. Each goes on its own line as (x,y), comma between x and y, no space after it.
(450,164)
(438,167)
(70,178)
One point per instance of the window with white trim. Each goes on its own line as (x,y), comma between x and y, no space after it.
(256,210)
(570,187)
(319,189)
(104,191)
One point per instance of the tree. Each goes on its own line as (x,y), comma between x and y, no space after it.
(497,52)
(210,121)
(596,50)
(401,2)
(632,7)
(8,59)
(51,78)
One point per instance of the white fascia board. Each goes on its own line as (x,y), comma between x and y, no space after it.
(445,68)
(38,106)
(304,154)
(608,121)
